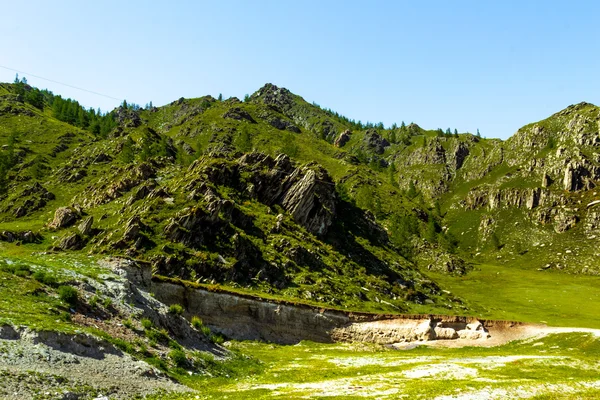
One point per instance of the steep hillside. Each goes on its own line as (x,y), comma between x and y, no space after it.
(537,204)
(281,197)
(250,195)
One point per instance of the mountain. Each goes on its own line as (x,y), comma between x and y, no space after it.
(142,247)
(277,196)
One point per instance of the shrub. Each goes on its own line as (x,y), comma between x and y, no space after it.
(44,278)
(107,302)
(161,336)
(93,301)
(146,323)
(178,357)
(22,271)
(217,339)
(197,323)
(65,316)
(68,294)
(175,309)
(128,324)
(205,330)
(174,345)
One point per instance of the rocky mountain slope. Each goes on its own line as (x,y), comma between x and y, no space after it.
(285,198)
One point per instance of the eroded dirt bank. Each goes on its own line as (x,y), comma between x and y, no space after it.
(244,317)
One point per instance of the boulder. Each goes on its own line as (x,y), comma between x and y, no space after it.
(85,227)
(71,242)
(341,140)
(424,331)
(442,333)
(63,217)
(132,229)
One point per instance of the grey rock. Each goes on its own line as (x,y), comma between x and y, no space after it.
(63,217)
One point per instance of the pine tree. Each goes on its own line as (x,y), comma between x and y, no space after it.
(220,97)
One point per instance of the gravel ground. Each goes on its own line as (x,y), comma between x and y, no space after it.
(50,365)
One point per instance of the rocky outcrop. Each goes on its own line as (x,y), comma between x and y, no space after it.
(23,237)
(71,241)
(238,114)
(563,221)
(85,227)
(283,124)
(311,200)
(127,117)
(63,217)
(342,139)
(374,142)
(114,186)
(457,156)
(493,198)
(307,193)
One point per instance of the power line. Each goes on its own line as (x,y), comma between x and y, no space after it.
(60,83)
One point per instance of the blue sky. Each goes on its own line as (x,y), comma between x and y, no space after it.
(465,64)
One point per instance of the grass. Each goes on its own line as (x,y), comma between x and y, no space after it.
(557,365)
(522,294)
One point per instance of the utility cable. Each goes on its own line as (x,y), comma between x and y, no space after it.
(60,83)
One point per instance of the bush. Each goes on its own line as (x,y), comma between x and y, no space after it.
(146,323)
(69,295)
(161,336)
(205,330)
(197,323)
(217,339)
(93,301)
(174,345)
(107,302)
(178,357)
(175,309)
(44,278)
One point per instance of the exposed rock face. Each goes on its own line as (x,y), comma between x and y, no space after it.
(493,198)
(311,200)
(85,227)
(127,117)
(63,217)
(279,99)
(375,142)
(132,229)
(283,124)
(71,242)
(458,156)
(341,140)
(592,220)
(238,114)
(563,222)
(248,318)
(307,193)
(24,237)
(112,187)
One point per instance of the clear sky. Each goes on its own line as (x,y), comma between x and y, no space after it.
(492,65)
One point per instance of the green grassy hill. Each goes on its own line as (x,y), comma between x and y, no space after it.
(281,197)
